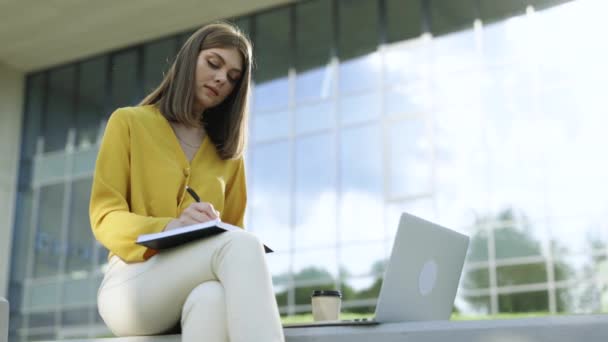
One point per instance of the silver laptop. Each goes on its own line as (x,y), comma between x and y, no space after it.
(421,277)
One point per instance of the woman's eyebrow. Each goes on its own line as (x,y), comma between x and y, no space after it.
(224,61)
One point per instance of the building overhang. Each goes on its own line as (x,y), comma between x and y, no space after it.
(36,35)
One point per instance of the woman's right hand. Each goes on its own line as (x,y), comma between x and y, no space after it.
(197,212)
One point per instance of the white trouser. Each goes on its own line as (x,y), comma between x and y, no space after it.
(219,286)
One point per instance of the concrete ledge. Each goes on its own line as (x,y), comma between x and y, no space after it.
(3,320)
(555,329)
(588,328)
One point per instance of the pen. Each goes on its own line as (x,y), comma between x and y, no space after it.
(198,199)
(193,194)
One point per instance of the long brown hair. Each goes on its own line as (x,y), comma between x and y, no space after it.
(226,123)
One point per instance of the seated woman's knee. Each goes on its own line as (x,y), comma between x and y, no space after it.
(245,240)
(210,293)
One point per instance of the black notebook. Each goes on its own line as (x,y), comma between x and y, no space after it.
(179,236)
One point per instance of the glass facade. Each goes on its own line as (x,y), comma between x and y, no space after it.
(483,116)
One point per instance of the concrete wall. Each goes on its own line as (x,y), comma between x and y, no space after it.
(3,320)
(11,110)
(587,328)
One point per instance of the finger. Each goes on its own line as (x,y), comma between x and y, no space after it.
(197,216)
(206,208)
(186,221)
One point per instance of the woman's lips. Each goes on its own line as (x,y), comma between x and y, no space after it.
(213,91)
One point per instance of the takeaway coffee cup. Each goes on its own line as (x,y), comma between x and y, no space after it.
(326,305)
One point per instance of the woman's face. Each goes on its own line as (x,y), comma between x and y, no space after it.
(218,70)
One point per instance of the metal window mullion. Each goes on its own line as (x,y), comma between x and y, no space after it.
(382,22)
(385,141)
(292,200)
(96,246)
(63,230)
(425,9)
(32,237)
(251,148)
(292,159)
(489,227)
(334,64)
(494,307)
(536,87)
(109,101)
(139,74)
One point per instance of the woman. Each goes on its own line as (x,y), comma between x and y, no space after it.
(190,131)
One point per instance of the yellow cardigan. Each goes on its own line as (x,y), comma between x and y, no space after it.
(140,178)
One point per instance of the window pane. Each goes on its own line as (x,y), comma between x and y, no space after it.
(363,288)
(48,335)
(582,297)
(43,319)
(362,259)
(542,4)
(521,274)
(33,113)
(404,100)
(15,324)
(279,266)
(407,62)
(454,52)
(313,270)
(84,161)
(565,241)
(315,117)
(423,207)
(361,201)
(79,291)
(60,108)
(362,73)
(575,267)
(317,265)
(315,84)
(514,237)
(125,85)
(22,236)
(42,296)
(102,254)
(270,195)
(508,41)
(359,108)
(75,317)
(91,100)
(478,245)
(50,167)
(409,159)
(491,10)
(267,126)
(450,16)
(158,57)
(479,304)
(271,95)
(244,24)
(360,16)
(272,45)
(524,302)
(315,192)
(404,19)
(48,246)
(511,145)
(182,37)
(462,166)
(477,278)
(80,238)
(313,34)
